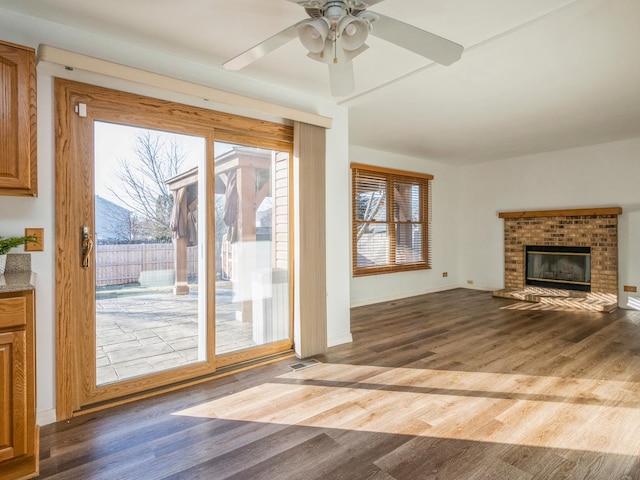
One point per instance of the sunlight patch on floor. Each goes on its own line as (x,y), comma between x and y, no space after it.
(553,412)
(537,298)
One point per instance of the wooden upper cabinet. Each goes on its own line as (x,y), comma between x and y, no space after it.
(18,163)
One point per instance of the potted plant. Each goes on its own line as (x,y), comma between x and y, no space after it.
(7,243)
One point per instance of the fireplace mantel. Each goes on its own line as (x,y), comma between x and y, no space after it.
(579,212)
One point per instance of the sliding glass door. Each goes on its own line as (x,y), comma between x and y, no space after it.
(252,247)
(173,244)
(149,313)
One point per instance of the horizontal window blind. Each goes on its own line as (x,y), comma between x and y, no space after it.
(390,220)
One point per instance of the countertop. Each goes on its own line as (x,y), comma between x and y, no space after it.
(17,282)
(18,276)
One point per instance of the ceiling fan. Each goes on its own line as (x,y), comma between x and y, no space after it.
(336,33)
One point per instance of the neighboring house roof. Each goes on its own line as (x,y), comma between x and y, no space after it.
(113,222)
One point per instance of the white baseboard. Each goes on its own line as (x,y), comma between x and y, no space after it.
(415,293)
(630,303)
(479,287)
(46,417)
(333,341)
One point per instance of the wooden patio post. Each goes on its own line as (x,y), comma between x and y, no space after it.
(181,286)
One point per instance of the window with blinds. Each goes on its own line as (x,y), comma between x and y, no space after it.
(390,220)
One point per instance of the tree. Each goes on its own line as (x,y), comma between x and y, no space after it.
(142,183)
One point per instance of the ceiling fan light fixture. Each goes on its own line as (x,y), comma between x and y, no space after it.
(313,33)
(327,54)
(335,33)
(353,32)
(336,54)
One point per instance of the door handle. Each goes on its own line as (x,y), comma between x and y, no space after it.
(87,247)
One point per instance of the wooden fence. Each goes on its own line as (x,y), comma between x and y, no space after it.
(123,264)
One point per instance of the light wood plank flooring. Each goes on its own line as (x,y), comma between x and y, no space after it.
(450,385)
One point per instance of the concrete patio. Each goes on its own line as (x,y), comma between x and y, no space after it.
(145,330)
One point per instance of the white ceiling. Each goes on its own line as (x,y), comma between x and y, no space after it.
(535,75)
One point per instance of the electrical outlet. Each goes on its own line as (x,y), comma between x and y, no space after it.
(631,288)
(445,274)
(469,282)
(38,245)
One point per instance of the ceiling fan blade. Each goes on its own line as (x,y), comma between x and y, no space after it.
(263,48)
(429,45)
(342,78)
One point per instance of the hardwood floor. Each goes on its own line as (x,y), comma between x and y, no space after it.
(449,385)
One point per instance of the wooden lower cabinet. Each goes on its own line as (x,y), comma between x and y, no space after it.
(18,430)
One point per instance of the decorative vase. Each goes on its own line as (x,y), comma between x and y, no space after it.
(3,263)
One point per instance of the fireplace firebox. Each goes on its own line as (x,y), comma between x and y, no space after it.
(560,267)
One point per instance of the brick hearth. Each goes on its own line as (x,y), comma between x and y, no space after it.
(595,228)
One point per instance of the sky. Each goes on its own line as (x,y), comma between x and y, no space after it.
(114,142)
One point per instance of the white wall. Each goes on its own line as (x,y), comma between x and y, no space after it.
(18,213)
(594,176)
(444,248)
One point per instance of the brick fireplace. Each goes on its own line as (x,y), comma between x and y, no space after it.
(596,229)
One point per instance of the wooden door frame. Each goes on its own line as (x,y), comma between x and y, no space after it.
(72,169)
